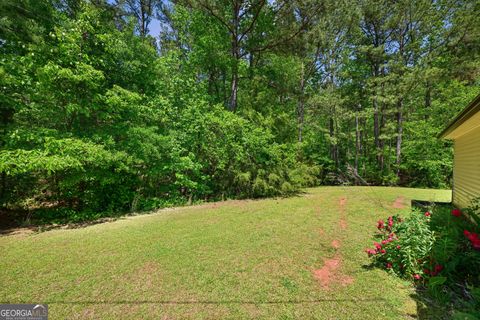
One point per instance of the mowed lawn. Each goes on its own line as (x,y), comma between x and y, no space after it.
(295,258)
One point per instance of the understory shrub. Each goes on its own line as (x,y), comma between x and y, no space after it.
(210,154)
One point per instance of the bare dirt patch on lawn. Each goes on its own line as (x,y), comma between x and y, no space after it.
(330,272)
(399,203)
(336,244)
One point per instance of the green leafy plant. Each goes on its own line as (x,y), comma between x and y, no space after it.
(439,249)
(403,245)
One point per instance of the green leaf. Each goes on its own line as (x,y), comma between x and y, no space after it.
(463,316)
(436,281)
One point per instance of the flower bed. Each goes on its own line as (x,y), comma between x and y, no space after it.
(438,250)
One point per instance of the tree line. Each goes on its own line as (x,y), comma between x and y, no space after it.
(230,99)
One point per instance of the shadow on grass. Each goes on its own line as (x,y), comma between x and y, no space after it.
(20,222)
(427,307)
(446,303)
(368,267)
(41,220)
(47,227)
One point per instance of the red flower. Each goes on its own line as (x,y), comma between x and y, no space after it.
(383,251)
(390,221)
(474,239)
(427,214)
(417,276)
(473,236)
(384,241)
(380,224)
(370,252)
(426,271)
(438,268)
(456,212)
(476,244)
(389,265)
(377,245)
(398,247)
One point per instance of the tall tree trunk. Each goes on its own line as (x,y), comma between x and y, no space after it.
(376,133)
(144,15)
(357,142)
(364,145)
(381,155)
(301,105)
(399,135)
(3,187)
(234,88)
(428,98)
(251,65)
(211,83)
(143,27)
(225,87)
(382,120)
(377,121)
(333,143)
(235,55)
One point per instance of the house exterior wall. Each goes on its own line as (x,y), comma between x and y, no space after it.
(466,169)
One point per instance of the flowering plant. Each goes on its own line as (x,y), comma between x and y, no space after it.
(403,246)
(456,212)
(474,239)
(426,245)
(439,250)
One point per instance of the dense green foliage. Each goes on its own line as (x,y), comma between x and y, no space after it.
(233,99)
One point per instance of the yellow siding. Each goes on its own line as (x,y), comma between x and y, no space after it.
(471,124)
(466,171)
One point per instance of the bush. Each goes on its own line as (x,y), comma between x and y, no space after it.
(305,175)
(438,249)
(455,247)
(403,245)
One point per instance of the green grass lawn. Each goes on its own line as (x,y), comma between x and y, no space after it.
(294,258)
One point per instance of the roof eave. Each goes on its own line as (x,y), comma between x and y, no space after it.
(472,108)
